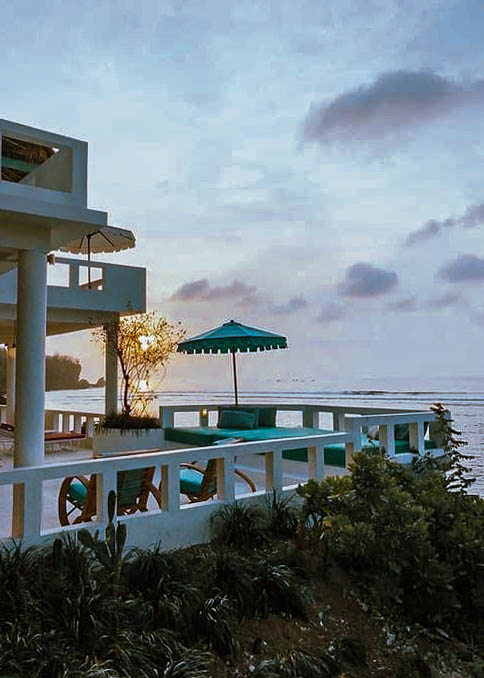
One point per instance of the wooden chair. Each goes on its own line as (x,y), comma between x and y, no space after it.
(77,495)
(200,484)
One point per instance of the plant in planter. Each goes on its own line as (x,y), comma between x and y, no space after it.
(143,344)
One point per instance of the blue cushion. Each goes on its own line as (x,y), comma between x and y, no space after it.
(190,481)
(77,491)
(236,419)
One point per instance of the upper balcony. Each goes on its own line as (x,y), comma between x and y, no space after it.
(72,302)
(43,191)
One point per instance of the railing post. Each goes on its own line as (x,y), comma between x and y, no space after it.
(66,417)
(106,481)
(77,423)
(316,462)
(226,479)
(387,438)
(338,421)
(27,508)
(32,507)
(310,417)
(170,488)
(416,435)
(273,462)
(352,425)
(167,416)
(73,274)
(89,427)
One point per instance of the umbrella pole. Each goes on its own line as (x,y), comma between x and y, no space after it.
(88,262)
(234,367)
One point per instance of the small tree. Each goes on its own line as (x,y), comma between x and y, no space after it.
(143,344)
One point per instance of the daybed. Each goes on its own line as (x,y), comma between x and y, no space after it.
(334,455)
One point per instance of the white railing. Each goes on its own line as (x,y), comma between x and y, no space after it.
(72,420)
(344,418)
(66,420)
(175,524)
(113,287)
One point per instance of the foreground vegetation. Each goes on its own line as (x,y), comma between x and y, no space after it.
(376,574)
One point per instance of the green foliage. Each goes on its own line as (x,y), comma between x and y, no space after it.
(282,515)
(143,344)
(126,422)
(454,464)
(298,665)
(61,371)
(411,540)
(109,551)
(239,526)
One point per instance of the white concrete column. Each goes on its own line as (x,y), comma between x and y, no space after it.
(111,369)
(30,377)
(30,372)
(11,351)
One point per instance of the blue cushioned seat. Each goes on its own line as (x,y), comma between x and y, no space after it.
(190,481)
(78,491)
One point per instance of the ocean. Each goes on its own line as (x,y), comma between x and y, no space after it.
(463,396)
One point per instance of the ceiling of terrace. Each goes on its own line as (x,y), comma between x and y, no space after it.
(19,158)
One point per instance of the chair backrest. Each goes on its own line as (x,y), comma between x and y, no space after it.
(133,487)
(209,483)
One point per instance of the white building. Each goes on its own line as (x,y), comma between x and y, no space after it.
(43,206)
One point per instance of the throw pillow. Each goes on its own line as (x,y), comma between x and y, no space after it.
(236,419)
(236,408)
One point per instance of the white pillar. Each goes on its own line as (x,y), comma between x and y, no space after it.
(10,384)
(30,373)
(30,378)
(111,369)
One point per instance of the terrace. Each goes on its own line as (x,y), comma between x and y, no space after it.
(178,522)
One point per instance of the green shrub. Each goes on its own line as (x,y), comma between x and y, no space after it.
(239,526)
(282,515)
(297,665)
(409,539)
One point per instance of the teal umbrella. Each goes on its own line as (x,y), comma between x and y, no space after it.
(232,337)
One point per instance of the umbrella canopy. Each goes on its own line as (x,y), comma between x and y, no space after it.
(233,337)
(104,239)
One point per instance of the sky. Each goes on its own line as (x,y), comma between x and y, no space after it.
(313,168)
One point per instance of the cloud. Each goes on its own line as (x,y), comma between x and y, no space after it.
(330,313)
(473,216)
(403,305)
(465,267)
(365,280)
(394,101)
(201,290)
(447,300)
(293,305)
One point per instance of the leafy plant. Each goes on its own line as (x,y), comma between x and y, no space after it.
(297,664)
(143,344)
(126,422)
(454,463)
(411,540)
(109,551)
(283,516)
(239,526)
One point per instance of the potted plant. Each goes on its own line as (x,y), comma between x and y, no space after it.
(143,344)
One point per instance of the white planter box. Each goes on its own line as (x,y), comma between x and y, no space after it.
(117,440)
